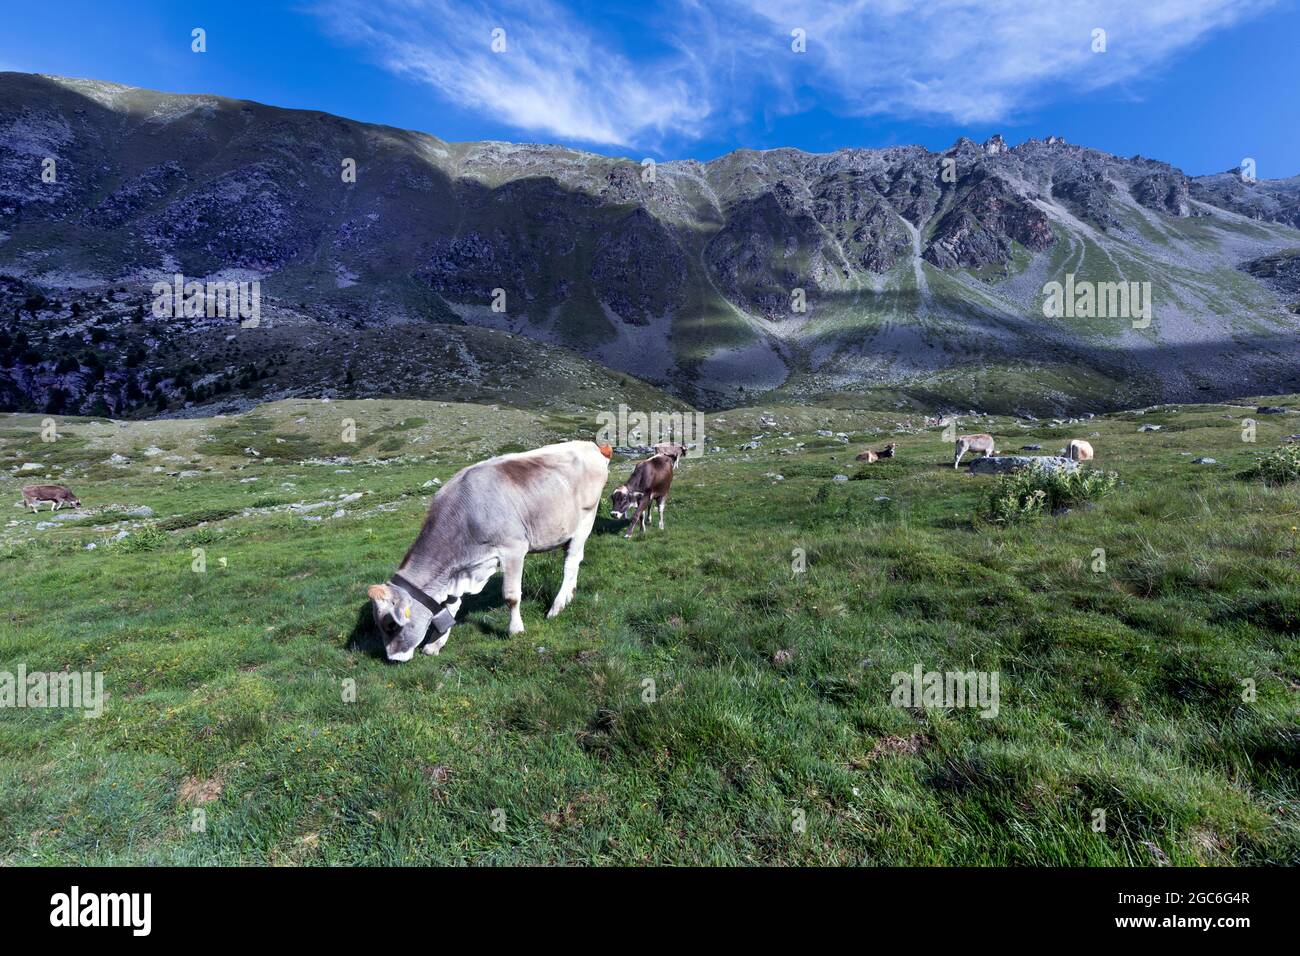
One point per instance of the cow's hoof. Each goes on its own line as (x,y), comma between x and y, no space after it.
(432,649)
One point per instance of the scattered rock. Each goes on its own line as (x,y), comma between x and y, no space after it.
(841,478)
(1204,461)
(1271,410)
(1148,428)
(1005,464)
(1031,447)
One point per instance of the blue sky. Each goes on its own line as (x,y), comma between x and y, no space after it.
(1199,83)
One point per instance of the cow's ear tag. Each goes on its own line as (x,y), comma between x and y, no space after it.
(406,613)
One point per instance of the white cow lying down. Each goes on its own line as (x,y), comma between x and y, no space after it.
(1078,450)
(487,517)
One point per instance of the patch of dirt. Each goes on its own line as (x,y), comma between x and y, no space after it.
(892,744)
(198,791)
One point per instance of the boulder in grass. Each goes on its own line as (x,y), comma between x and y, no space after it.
(1204,461)
(1271,410)
(1148,428)
(1006,464)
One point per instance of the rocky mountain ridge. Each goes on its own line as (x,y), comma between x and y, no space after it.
(893,274)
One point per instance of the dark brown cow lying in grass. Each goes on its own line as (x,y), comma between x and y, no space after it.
(650,482)
(56,495)
(485,519)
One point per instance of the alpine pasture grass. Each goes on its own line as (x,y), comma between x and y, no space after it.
(702,700)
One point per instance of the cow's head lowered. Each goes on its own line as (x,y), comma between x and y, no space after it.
(624,503)
(402,622)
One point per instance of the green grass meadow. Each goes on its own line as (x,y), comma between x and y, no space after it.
(701,701)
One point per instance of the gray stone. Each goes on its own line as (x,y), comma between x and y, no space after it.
(1005,464)
(1204,461)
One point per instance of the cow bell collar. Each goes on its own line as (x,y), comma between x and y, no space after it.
(443,619)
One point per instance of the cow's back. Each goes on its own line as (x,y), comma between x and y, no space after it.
(539,495)
(47,493)
(654,475)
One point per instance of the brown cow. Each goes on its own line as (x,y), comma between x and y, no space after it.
(980,442)
(886,452)
(56,495)
(650,482)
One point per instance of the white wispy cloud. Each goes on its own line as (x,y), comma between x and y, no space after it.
(723,63)
(556,75)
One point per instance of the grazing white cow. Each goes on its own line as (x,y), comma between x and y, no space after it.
(965,443)
(485,519)
(1078,450)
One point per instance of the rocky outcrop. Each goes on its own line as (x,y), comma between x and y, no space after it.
(1165,192)
(1007,464)
(1276,200)
(983,222)
(1087,192)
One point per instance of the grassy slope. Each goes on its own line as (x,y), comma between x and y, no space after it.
(1118,690)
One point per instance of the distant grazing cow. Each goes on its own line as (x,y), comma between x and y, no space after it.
(56,495)
(485,519)
(674,450)
(1078,450)
(650,482)
(980,442)
(886,452)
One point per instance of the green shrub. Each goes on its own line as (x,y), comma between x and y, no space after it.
(177,522)
(148,537)
(1027,493)
(1278,467)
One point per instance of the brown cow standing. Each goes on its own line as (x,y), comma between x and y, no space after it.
(56,495)
(650,482)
